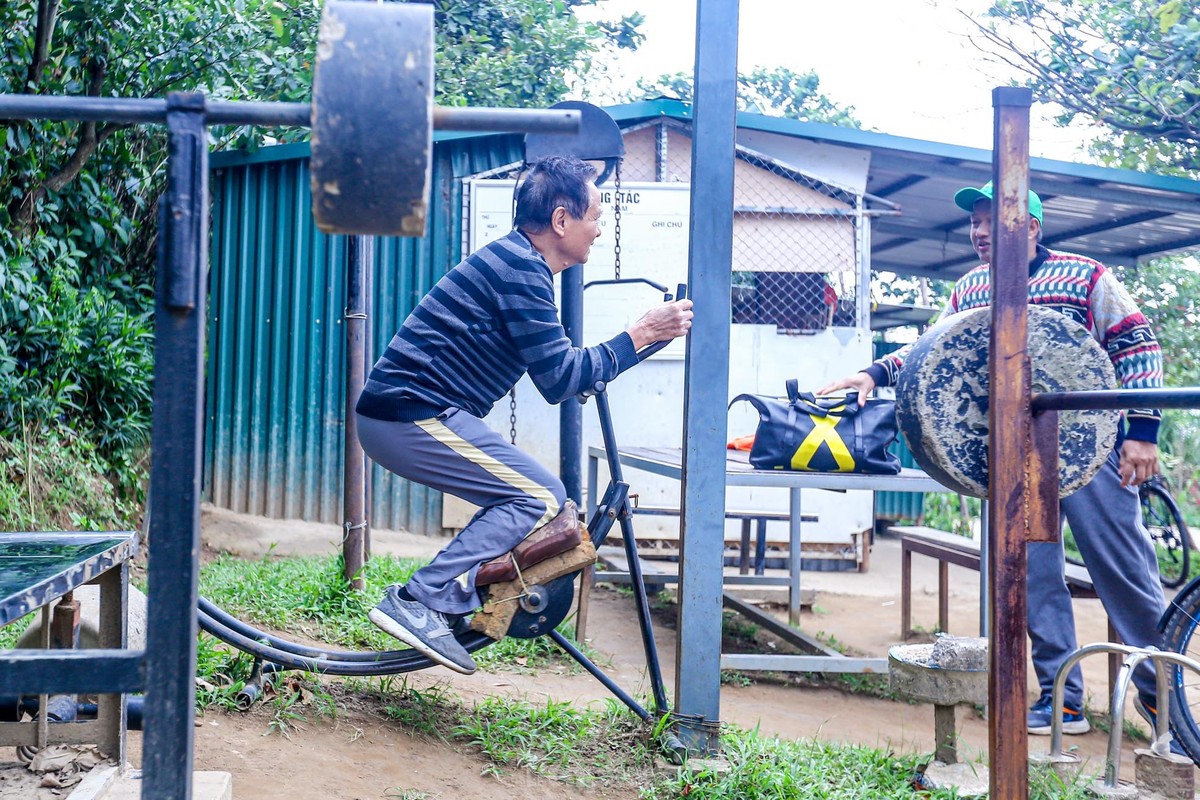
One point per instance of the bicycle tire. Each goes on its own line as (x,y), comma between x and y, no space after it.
(1178,626)
(1161,516)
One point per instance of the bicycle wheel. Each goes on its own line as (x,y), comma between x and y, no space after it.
(1170,533)
(1179,635)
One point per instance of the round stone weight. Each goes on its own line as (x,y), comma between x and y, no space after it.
(372,118)
(942,397)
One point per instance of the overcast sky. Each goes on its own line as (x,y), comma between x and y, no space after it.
(906,66)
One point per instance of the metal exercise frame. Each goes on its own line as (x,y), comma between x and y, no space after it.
(165,670)
(1023,492)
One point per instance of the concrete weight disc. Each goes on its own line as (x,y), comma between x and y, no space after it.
(942,398)
(372,118)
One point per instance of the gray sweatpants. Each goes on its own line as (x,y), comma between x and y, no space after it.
(459,454)
(1107,523)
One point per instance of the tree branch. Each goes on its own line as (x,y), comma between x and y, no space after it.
(47,18)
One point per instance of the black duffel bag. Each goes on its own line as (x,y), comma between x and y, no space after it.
(823,434)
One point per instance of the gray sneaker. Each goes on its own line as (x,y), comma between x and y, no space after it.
(421,628)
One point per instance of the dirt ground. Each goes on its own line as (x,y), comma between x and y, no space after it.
(358,756)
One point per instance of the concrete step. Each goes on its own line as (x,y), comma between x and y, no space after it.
(110,784)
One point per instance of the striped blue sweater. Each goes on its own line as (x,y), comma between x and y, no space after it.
(486,323)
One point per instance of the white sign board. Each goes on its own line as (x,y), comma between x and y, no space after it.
(654,246)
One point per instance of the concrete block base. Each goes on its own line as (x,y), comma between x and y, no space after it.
(971,780)
(109,784)
(1170,776)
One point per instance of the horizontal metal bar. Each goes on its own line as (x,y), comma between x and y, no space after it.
(226,112)
(763,619)
(608,576)
(71,672)
(95,109)
(513,120)
(1117,399)
(752,662)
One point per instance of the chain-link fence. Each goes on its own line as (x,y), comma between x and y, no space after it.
(796,240)
(795,245)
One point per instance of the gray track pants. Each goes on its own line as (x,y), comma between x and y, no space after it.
(1107,523)
(459,454)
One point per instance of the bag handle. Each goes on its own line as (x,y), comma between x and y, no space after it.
(820,407)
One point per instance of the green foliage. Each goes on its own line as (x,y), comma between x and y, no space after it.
(1168,291)
(77,222)
(780,91)
(1132,66)
(945,511)
(520,53)
(54,480)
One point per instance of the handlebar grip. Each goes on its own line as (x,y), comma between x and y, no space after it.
(651,349)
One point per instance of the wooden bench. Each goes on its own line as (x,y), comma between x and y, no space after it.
(948,549)
(761,518)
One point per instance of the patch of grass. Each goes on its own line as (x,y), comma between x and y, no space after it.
(731,677)
(578,746)
(222,672)
(432,712)
(10,633)
(737,632)
(768,767)
(308,596)
(54,480)
(291,696)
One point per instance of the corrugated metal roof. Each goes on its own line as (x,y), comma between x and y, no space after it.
(1118,216)
(1115,215)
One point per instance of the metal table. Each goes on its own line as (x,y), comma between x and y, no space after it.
(668,462)
(35,570)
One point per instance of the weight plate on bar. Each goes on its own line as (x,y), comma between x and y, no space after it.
(942,397)
(372,118)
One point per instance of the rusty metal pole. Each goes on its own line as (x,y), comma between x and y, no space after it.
(354,514)
(1010,423)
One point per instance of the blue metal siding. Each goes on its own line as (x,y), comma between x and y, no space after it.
(276,347)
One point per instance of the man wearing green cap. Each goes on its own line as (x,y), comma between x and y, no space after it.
(1105,515)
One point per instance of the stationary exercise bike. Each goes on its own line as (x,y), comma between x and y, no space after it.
(541,607)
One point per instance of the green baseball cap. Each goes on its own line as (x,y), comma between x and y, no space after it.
(968,197)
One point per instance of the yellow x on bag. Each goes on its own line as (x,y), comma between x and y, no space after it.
(801,433)
(824,432)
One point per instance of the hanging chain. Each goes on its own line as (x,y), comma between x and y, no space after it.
(617,225)
(512,415)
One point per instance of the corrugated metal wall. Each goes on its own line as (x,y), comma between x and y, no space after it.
(276,346)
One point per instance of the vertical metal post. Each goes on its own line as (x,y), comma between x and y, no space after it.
(706,387)
(570,413)
(1010,420)
(177,448)
(359,261)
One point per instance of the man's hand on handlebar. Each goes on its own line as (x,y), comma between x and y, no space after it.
(662,323)
(860,382)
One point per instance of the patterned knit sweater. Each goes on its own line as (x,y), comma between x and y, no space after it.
(483,325)
(1087,292)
